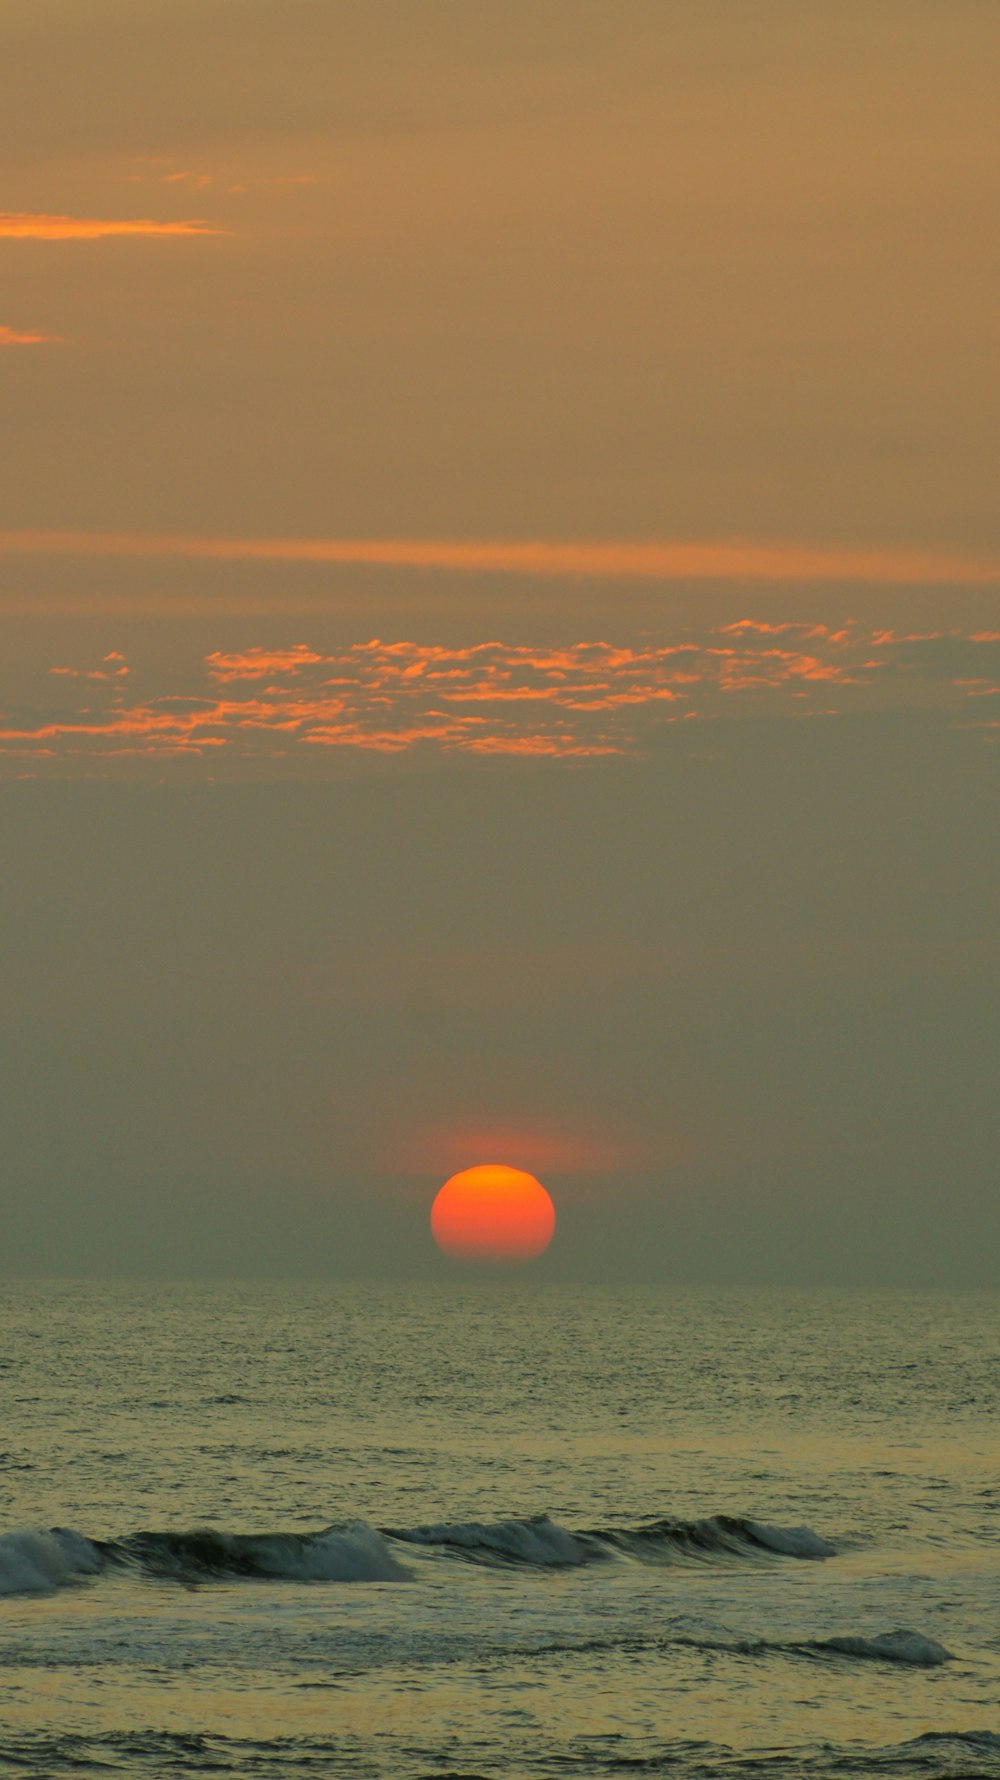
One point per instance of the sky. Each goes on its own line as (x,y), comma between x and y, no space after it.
(500,615)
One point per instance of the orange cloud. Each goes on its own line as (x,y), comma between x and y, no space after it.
(258,664)
(665,560)
(27,337)
(541,747)
(572,701)
(161,170)
(26,226)
(742,669)
(198,180)
(578,677)
(445,733)
(114,667)
(744,627)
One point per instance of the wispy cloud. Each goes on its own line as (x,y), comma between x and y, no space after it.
(198,180)
(161,170)
(574,701)
(27,337)
(261,664)
(27,226)
(113,667)
(744,560)
(588,680)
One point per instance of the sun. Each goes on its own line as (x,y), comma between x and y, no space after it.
(493,1213)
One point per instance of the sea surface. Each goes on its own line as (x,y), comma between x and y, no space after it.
(497,1529)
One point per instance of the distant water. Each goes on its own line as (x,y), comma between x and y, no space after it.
(524,1530)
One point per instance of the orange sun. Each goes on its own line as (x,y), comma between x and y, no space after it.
(492,1213)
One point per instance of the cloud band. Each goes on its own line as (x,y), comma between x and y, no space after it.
(625,559)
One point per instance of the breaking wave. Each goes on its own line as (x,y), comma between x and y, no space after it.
(353,1553)
(541,1542)
(899,1646)
(32,1563)
(717,1536)
(538,1541)
(36,1561)
(889,1647)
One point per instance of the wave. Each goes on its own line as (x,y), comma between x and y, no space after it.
(716,1536)
(540,1542)
(356,1552)
(32,1563)
(888,1647)
(536,1541)
(973,1754)
(351,1553)
(35,1562)
(987,1741)
(898,1646)
(799,1542)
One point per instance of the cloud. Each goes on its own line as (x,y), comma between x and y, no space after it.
(161,170)
(260,664)
(573,701)
(198,180)
(576,677)
(743,560)
(26,226)
(27,337)
(114,667)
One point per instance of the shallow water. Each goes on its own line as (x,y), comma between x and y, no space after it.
(269,1529)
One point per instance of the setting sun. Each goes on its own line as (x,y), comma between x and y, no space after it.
(493,1213)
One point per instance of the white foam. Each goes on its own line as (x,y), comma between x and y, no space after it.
(34,1562)
(800,1542)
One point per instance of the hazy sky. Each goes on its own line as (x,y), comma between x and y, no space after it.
(500,598)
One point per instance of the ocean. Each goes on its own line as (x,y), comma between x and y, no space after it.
(497,1528)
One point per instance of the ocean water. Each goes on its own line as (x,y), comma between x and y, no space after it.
(497,1529)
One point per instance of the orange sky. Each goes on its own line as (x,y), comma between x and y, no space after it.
(500,593)
(398,313)
(537,273)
